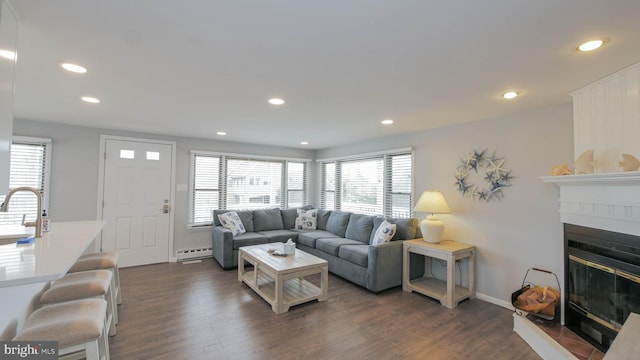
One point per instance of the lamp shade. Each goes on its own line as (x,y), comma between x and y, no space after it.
(432,202)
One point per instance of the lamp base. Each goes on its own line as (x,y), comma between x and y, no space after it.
(432,229)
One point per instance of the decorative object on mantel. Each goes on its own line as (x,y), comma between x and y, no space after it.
(496,177)
(584,164)
(629,163)
(432,202)
(561,170)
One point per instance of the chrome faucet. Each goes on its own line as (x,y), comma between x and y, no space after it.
(38,223)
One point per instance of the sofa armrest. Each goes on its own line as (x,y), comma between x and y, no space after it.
(222,246)
(384,268)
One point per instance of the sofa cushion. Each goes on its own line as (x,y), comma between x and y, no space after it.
(308,238)
(307,219)
(280,235)
(247,239)
(359,228)
(289,218)
(231,221)
(267,219)
(323,218)
(357,254)
(384,234)
(245,215)
(406,229)
(337,223)
(332,245)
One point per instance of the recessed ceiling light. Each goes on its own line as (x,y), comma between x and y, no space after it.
(276,101)
(11,55)
(90,99)
(304,143)
(590,45)
(387,122)
(221,133)
(74,68)
(510,95)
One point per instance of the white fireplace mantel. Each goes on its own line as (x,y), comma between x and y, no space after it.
(608,201)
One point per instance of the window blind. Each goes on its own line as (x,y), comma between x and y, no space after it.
(375,184)
(400,182)
(29,166)
(253,184)
(328,186)
(206,187)
(362,186)
(296,184)
(229,181)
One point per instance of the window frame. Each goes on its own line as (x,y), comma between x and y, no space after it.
(387,192)
(223,179)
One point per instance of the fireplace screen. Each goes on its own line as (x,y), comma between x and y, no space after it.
(602,293)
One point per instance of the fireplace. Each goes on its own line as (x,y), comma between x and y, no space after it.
(602,282)
(601,219)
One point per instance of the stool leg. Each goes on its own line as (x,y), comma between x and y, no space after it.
(116,275)
(114,291)
(104,342)
(112,311)
(92,349)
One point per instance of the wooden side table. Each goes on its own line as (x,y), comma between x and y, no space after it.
(447,292)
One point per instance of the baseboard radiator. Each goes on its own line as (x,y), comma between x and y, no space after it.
(188,254)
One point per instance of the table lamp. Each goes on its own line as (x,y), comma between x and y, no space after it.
(432,202)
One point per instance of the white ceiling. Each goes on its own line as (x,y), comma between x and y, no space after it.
(191,68)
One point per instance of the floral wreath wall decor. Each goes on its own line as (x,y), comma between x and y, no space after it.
(495,176)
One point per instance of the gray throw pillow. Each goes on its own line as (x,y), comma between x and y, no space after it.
(337,223)
(245,215)
(359,228)
(406,229)
(269,219)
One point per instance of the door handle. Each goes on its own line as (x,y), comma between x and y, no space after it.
(166,207)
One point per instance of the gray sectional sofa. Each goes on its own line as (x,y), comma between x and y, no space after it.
(341,238)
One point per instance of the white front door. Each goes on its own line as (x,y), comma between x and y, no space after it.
(137,200)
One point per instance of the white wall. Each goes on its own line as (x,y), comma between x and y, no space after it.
(520,231)
(74,171)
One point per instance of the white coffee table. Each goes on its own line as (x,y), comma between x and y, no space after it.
(280,280)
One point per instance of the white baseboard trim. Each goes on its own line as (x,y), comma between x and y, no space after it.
(495,301)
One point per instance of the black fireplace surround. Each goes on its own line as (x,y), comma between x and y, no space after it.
(602,282)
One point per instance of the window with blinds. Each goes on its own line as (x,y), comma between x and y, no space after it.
(232,182)
(296,184)
(362,186)
(29,167)
(374,185)
(206,187)
(253,184)
(328,186)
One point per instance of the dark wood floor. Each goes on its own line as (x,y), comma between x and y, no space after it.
(199,311)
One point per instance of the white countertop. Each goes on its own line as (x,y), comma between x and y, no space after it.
(50,256)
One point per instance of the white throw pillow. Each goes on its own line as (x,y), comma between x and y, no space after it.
(384,233)
(307,219)
(231,221)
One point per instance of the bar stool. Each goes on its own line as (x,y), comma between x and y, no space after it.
(78,325)
(82,285)
(101,261)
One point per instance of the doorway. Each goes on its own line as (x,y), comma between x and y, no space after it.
(136,186)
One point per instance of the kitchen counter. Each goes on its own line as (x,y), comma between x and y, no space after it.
(49,257)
